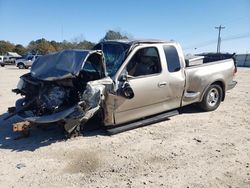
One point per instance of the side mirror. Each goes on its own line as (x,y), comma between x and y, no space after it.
(127,91)
(125,77)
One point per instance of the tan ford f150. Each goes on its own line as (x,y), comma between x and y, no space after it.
(126,84)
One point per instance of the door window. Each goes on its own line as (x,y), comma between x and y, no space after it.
(145,61)
(29,57)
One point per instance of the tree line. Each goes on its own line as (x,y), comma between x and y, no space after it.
(43,46)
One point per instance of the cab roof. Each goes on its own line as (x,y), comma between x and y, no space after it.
(137,41)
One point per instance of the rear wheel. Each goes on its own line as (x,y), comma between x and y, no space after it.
(2,65)
(212,98)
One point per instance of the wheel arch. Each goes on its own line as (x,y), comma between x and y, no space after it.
(19,63)
(217,82)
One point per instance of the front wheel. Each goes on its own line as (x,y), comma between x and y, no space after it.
(2,65)
(21,66)
(212,98)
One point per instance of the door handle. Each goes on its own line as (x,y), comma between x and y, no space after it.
(162,84)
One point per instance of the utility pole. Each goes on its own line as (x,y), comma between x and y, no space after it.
(219,39)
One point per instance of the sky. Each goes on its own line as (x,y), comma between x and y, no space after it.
(191,23)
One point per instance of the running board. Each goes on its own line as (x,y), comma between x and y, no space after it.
(141,123)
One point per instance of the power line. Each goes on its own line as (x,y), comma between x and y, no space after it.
(202,32)
(236,19)
(210,42)
(219,38)
(238,36)
(201,44)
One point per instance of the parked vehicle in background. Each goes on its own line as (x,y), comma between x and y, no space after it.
(1,59)
(10,58)
(8,61)
(26,62)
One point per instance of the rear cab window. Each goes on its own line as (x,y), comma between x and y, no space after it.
(172,58)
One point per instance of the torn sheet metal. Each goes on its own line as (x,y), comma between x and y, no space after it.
(78,114)
(61,65)
(66,87)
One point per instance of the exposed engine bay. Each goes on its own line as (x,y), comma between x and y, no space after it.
(67,88)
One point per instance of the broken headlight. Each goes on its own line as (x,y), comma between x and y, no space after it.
(20,84)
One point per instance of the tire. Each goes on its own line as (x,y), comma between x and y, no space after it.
(21,66)
(2,65)
(212,98)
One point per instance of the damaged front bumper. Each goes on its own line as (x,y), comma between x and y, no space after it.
(67,88)
(52,118)
(70,117)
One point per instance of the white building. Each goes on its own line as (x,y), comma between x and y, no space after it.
(12,54)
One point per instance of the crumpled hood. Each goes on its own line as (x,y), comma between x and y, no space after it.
(60,65)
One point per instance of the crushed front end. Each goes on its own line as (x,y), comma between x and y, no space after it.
(65,88)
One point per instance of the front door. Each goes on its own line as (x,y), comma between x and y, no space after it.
(157,78)
(148,82)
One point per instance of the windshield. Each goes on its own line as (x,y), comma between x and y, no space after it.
(114,54)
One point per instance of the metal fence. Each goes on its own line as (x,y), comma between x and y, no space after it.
(243,60)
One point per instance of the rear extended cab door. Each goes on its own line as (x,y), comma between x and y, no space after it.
(153,93)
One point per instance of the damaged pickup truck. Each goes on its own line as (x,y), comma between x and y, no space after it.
(128,84)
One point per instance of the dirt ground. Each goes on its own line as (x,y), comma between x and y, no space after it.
(193,149)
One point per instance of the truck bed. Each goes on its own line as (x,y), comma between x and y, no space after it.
(198,77)
(194,60)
